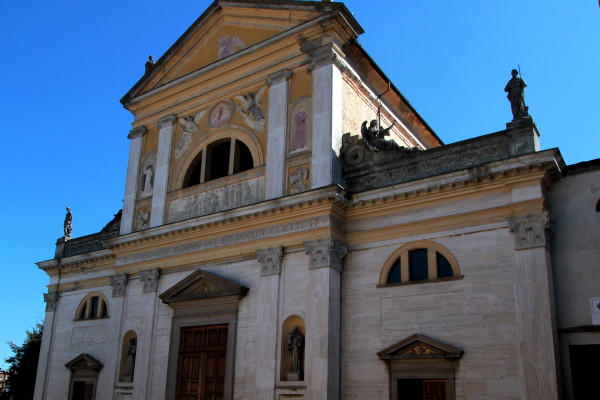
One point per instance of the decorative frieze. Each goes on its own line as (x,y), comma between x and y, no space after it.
(270,260)
(530,230)
(149,278)
(326,253)
(118,283)
(51,300)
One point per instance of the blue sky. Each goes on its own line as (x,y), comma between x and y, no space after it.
(66,65)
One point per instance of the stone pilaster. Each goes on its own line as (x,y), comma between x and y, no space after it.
(534,307)
(327,68)
(146,347)
(149,278)
(324,318)
(46,347)
(119,284)
(51,300)
(136,136)
(277,128)
(161,178)
(270,261)
(530,230)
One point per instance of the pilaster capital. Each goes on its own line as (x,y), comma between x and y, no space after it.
(149,278)
(270,260)
(166,121)
(325,253)
(118,283)
(137,132)
(530,230)
(327,55)
(278,77)
(51,300)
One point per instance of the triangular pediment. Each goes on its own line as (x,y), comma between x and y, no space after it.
(227,28)
(419,347)
(202,285)
(84,361)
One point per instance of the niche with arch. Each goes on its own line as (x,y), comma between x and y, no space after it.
(288,337)
(128,354)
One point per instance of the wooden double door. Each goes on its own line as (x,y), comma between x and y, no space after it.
(421,389)
(202,359)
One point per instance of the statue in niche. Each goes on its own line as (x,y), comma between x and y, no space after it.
(295,345)
(297,180)
(250,108)
(516,95)
(299,139)
(374,137)
(68,224)
(189,126)
(148,181)
(131,350)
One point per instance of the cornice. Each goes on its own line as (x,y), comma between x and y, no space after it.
(303,204)
(533,169)
(79,261)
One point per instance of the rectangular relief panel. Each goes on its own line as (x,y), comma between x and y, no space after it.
(211,201)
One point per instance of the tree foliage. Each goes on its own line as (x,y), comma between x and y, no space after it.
(23,366)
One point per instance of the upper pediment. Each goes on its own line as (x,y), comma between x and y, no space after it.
(419,347)
(226,28)
(84,361)
(202,285)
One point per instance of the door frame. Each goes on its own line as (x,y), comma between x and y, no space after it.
(210,312)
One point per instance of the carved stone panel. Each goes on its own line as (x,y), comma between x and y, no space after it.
(530,230)
(51,300)
(118,283)
(270,260)
(326,253)
(149,278)
(219,199)
(298,180)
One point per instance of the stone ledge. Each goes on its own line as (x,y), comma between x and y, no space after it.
(364,169)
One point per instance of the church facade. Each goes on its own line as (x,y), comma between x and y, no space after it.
(275,243)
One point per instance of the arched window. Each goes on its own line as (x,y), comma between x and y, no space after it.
(93,306)
(419,261)
(221,158)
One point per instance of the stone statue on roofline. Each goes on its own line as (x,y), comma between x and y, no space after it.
(516,95)
(68,224)
(149,64)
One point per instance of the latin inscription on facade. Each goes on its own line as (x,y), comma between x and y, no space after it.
(239,237)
